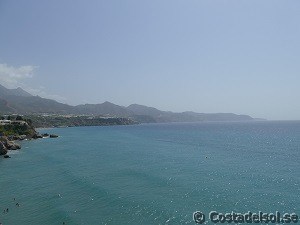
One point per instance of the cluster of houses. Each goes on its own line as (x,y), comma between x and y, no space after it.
(14,122)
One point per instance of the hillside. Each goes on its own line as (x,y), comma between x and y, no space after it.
(74,121)
(105,108)
(16,92)
(21,102)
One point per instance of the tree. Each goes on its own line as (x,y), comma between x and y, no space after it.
(19,118)
(29,122)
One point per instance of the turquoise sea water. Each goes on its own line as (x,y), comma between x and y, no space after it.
(152,173)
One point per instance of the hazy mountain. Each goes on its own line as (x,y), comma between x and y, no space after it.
(166,116)
(5,107)
(106,108)
(19,101)
(16,92)
(36,104)
(144,110)
(20,92)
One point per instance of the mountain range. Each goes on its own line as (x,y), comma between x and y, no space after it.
(18,101)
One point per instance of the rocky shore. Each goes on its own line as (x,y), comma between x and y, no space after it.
(12,142)
(7,144)
(12,131)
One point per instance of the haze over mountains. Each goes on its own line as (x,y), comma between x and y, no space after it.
(21,102)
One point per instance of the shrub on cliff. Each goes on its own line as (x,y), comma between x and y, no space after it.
(16,129)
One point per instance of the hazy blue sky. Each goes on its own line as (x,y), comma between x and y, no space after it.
(206,56)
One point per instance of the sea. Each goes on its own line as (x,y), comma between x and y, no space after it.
(152,173)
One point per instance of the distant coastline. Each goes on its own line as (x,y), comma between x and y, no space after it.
(63,121)
(14,129)
(17,128)
(18,101)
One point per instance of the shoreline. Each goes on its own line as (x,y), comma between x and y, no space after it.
(13,142)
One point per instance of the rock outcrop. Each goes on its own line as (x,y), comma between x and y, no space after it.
(36,136)
(3,149)
(53,136)
(6,144)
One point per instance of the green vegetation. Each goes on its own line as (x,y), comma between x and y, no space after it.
(18,126)
(24,125)
(19,118)
(15,129)
(71,121)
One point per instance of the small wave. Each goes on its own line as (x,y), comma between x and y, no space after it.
(13,152)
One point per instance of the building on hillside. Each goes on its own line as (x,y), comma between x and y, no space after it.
(5,122)
(16,122)
(19,122)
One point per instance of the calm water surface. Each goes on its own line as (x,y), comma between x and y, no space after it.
(152,173)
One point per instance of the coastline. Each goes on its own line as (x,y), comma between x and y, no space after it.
(12,141)
(32,127)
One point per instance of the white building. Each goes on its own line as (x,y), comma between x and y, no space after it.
(5,122)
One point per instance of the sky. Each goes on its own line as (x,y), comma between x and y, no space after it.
(206,56)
